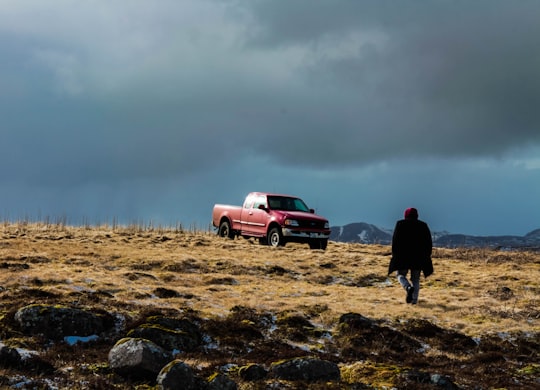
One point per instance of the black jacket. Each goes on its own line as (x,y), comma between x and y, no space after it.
(411,247)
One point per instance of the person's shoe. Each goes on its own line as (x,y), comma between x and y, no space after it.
(410,291)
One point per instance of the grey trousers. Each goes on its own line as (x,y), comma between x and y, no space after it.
(415,281)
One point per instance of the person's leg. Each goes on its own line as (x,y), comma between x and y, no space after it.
(415,279)
(402,278)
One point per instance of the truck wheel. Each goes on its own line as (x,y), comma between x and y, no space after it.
(275,238)
(324,244)
(225,230)
(319,244)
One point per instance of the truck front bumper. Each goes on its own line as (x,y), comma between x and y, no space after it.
(294,233)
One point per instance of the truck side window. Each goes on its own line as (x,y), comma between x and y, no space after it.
(248,202)
(259,200)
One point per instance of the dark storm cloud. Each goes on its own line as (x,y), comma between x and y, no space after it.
(107,93)
(414,79)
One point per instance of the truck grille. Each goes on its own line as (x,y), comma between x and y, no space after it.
(311,225)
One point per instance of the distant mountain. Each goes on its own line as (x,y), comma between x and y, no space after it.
(361,232)
(366,233)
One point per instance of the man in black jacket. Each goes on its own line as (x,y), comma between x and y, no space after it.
(411,251)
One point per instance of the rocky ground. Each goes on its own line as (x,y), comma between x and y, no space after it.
(57,332)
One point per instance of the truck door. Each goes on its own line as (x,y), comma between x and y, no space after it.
(257,218)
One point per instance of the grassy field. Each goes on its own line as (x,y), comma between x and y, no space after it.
(130,269)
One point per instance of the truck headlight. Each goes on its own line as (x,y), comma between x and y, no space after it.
(291,222)
(327,225)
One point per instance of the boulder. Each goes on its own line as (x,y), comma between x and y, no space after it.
(9,357)
(19,358)
(166,338)
(356,321)
(296,328)
(441,381)
(176,375)
(221,382)
(252,372)
(184,324)
(138,358)
(306,369)
(57,322)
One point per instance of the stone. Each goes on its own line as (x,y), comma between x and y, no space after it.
(168,339)
(176,375)
(19,358)
(307,369)
(138,358)
(221,382)
(9,357)
(57,322)
(252,372)
(356,321)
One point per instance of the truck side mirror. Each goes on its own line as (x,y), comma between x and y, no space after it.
(312,211)
(261,207)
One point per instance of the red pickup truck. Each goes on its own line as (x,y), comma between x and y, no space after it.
(275,219)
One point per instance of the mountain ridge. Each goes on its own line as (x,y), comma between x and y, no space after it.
(366,233)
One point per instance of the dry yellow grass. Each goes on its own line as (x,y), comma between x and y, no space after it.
(473,291)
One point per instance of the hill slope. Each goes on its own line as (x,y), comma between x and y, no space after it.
(476,325)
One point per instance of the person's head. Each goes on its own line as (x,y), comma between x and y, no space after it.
(411,213)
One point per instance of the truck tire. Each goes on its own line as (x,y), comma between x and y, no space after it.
(225,230)
(319,244)
(275,238)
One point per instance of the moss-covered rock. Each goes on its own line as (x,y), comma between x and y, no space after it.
(252,372)
(306,369)
(57,321)
(221,382)
(176,375)
(296,327)
(168,339)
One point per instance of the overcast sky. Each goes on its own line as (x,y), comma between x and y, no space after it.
(155,110)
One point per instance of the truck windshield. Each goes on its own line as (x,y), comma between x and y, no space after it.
(287,204)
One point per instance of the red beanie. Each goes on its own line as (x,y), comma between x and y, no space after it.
(411,213)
